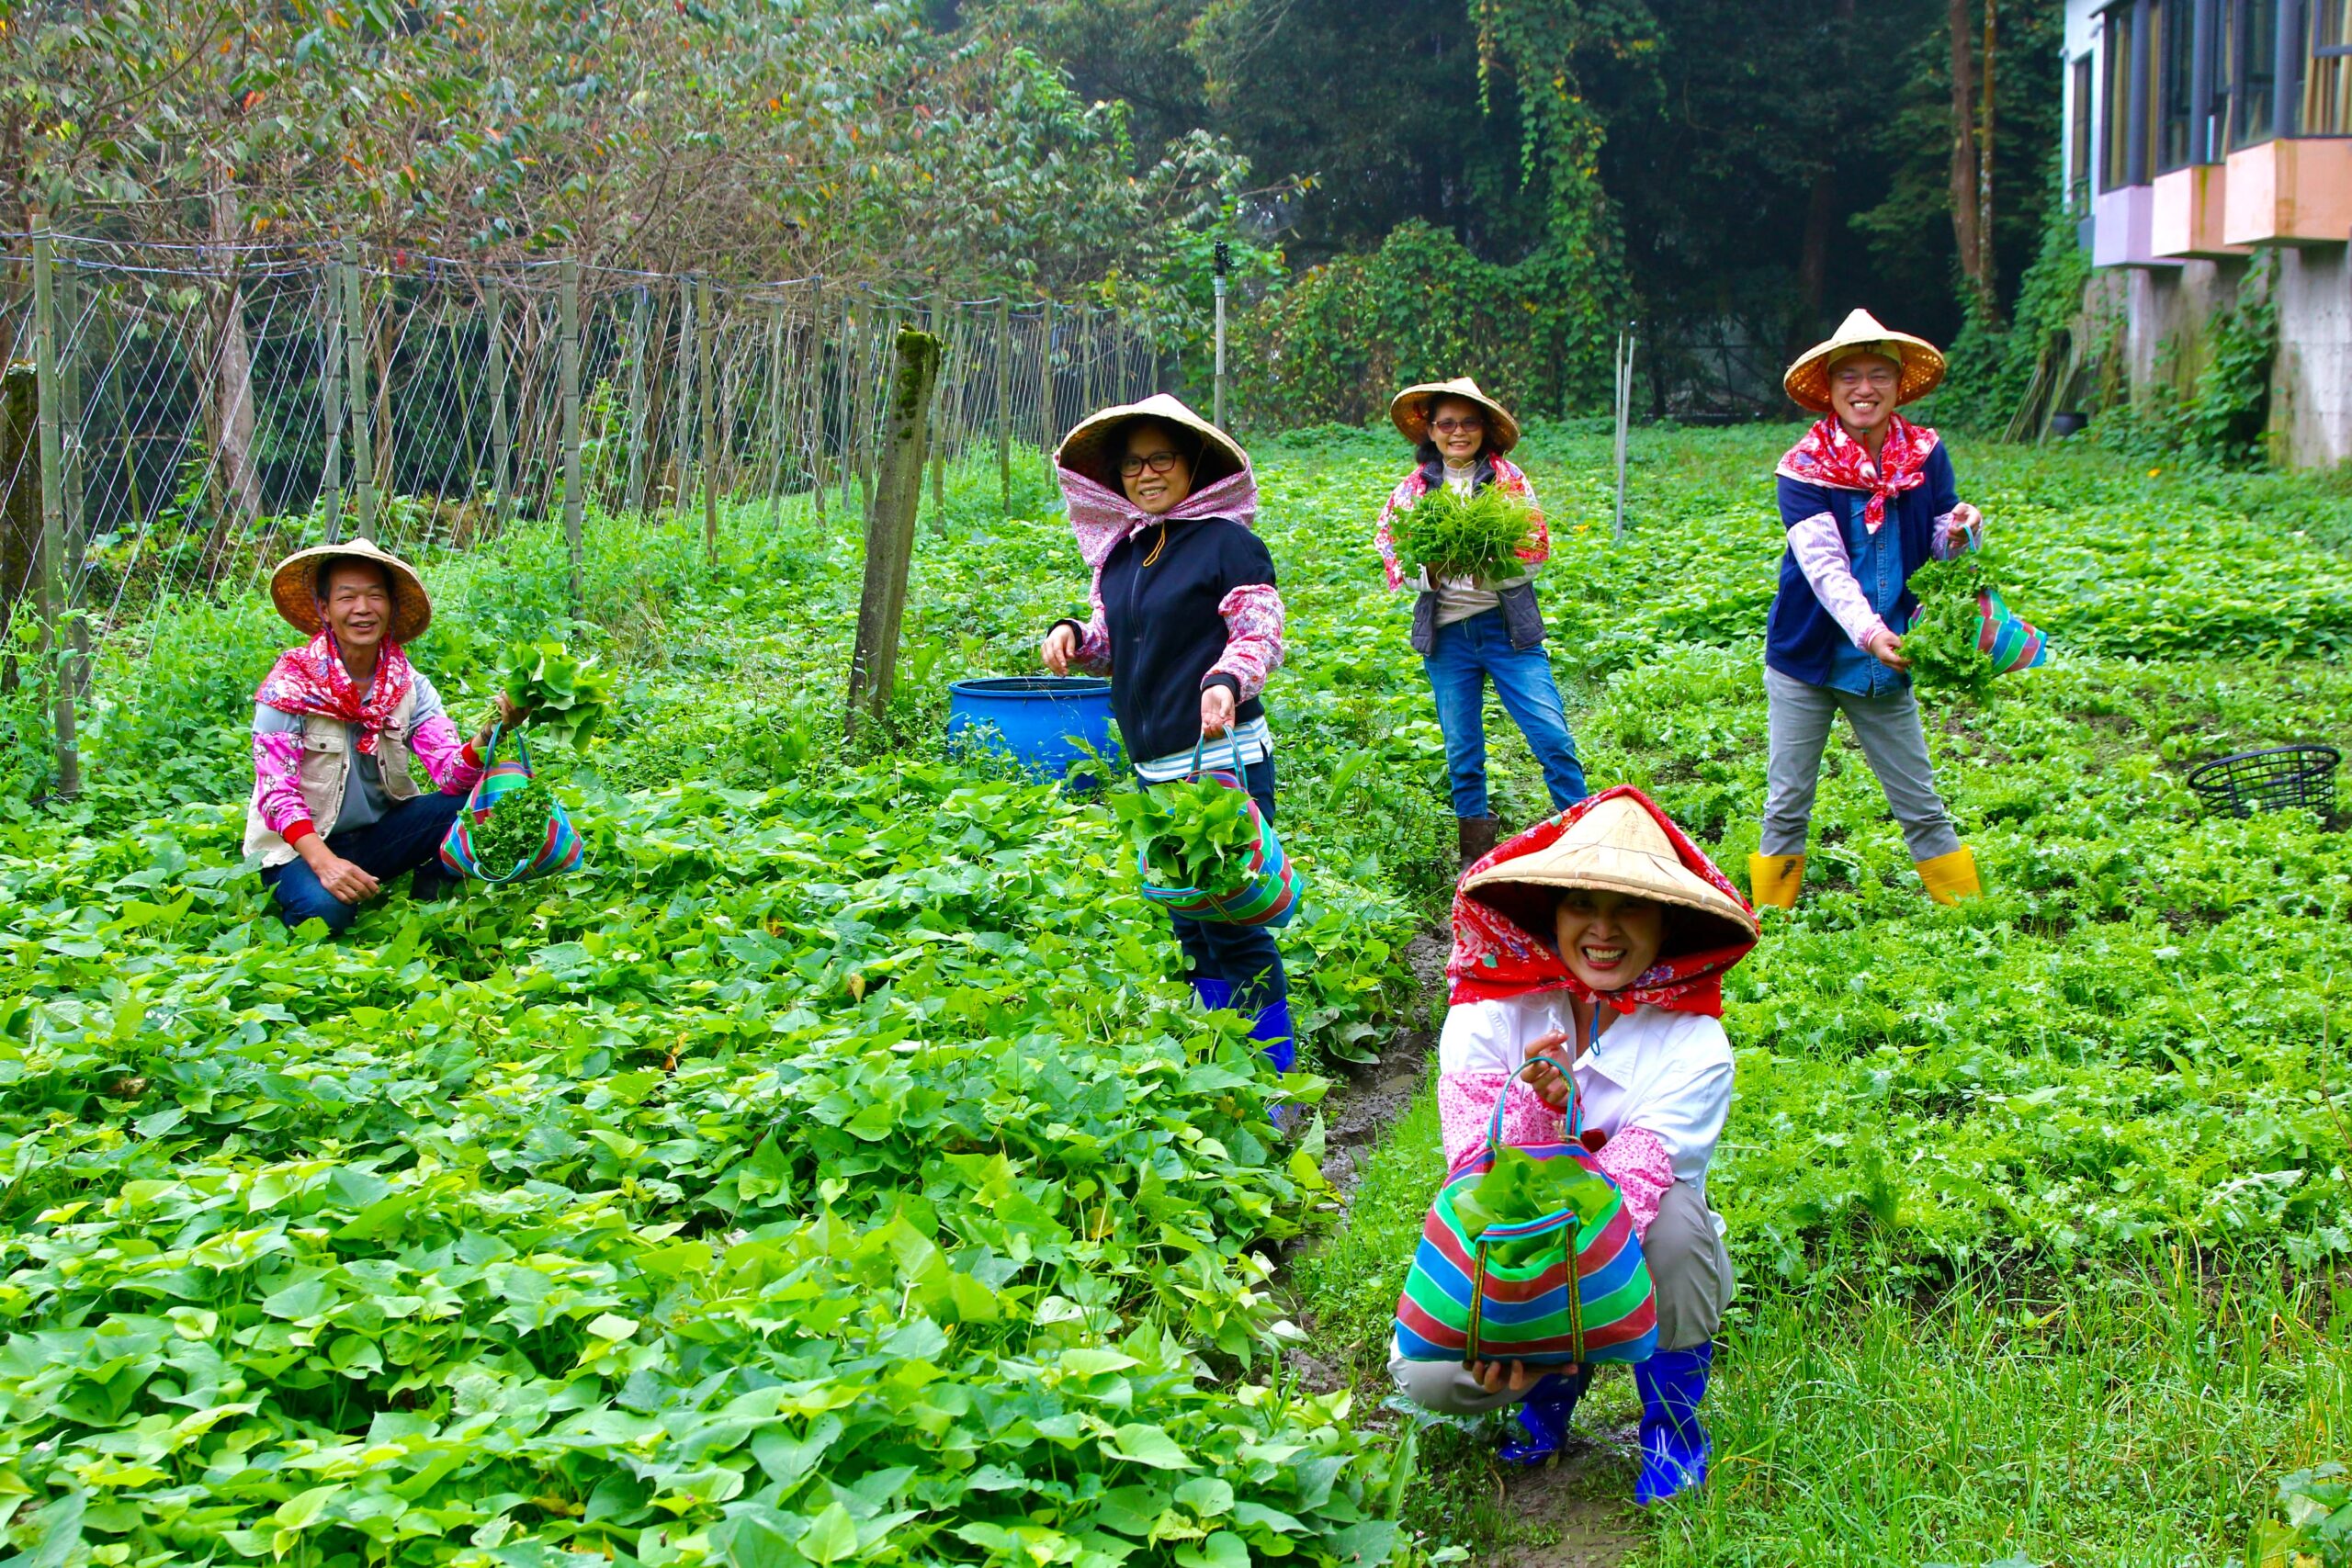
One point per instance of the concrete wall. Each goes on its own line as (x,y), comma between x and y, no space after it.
(2167,315)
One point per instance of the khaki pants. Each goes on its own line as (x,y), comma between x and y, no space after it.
(1689,1267)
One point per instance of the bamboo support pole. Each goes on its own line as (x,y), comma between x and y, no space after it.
(1004,405)
(705,344)
(640,309)
(568,370)
(1046,427)
(331,393)
(775,413)
(502,424)
(355,341)
(688,337)
(815,407)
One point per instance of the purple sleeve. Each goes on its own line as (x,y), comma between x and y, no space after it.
(1820,551)
(447,756)
(278,780)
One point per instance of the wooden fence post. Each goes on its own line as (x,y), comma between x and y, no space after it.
(775,413)
(1004,405)
(355,342)
(501,421)
(568,370)
(53,517)
(636,442)
(70,418)
(1045,425)
(890,527)
(704,343)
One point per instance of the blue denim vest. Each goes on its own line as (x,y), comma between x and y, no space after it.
(1878,566)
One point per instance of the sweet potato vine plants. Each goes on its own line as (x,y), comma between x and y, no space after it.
(837,1170)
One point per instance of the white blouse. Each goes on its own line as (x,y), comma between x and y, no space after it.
(1668,1073)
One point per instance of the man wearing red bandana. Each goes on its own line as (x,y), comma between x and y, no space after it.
(1867,498)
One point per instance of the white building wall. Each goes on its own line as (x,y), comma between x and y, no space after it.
(2310,389)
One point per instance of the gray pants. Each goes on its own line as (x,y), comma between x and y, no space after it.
(1894,743)
(1689,1266)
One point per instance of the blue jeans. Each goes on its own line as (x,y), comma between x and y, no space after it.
(1466,654)
(1244,957)
(407,838)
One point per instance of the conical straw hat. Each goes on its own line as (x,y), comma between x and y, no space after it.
(1093,445)
(1616,847)
(294,587)
(1408,411)
(1922,362)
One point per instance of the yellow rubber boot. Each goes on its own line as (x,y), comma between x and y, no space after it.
(1951,877)
(1774,879)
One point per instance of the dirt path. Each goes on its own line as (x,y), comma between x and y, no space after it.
(1579,1512)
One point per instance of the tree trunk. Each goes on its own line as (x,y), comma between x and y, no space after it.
(228,406)
(1964,193)
(1986,273)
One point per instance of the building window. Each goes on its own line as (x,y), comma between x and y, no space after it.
(2327,84)
(2078,137)
(2176,34)
(2114,125)
(2250,63)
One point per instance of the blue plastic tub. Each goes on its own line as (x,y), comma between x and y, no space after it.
(1040,721)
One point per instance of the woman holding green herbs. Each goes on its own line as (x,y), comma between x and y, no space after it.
(1600,936)
(1868,499)
(1470,629)
(1188,625)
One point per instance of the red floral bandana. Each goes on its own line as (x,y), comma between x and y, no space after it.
(311,680)
(1827,455)
(1494,957)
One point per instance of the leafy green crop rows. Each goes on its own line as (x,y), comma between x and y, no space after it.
(834,1171)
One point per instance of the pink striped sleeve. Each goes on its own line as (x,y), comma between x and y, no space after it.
(1637,1162)
(1538,548)
(1957,532)
(447,756)
(1384,533)
(278,780)
(1093,654)
(1466,1109)
(1253,638)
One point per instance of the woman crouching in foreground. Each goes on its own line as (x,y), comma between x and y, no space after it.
(1606,931)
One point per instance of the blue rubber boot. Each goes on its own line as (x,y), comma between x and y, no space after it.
(1543,1418)
(1674,1444)
(1215,995)
(1273,1033)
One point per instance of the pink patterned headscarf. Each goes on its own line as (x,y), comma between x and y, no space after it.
(1100,516)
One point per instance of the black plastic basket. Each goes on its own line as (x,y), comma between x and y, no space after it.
(2275,779)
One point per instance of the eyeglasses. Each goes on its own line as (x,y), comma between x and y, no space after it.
(1459,426)
(1877,376)
(1160,462)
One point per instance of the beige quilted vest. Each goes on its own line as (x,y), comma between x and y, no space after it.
(326,763)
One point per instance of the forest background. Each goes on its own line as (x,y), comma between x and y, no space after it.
(1407,190)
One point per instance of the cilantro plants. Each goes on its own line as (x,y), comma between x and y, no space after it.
(1448,534)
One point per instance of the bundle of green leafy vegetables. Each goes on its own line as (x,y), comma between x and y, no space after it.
(1941,643)
(568,696)
(1448,534)
(1520,1188)
(517,829)
(1193,834)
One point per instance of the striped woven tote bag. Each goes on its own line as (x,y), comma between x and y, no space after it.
(560,848)
(1270,895)
(1557,1291)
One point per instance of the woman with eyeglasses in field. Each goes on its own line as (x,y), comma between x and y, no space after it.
(1187,624)
(1469,631)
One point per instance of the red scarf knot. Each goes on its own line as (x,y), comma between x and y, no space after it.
(1829,456)
(311,680)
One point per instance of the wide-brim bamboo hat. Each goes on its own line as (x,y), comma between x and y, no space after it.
(1408,411)
(1617,846)
(1808,380)
(294,587)
(1093,445)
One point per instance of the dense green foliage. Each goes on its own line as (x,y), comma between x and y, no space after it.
(1191,833)
(1942,644)
(835,1170)
(567,698)
(515,830)
(1447,534)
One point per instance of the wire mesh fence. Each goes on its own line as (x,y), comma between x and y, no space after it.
(206,409)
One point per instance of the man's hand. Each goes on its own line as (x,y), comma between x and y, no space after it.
(1059,648)
(1887,649)
(1217,710)
(350,884)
